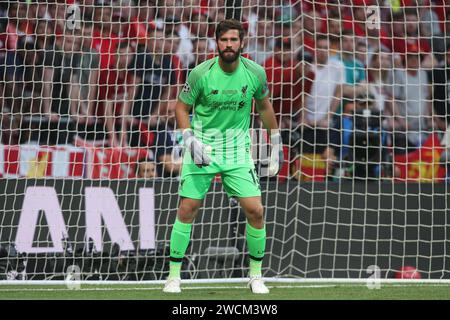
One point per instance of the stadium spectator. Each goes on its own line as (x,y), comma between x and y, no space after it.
(168,9)
(61,64)
(125,15)
(198,26)
(85,82)
(167,149)
(396,29)
(260,46)
(441,41)
(3,56)
(354,69)
(87,10)
(441,107)
(179,17)
(56,12)
(322,103)
(312,26)
(429,20)
(250,11)
(16,69)
(380,80)
(297,35)
(171,43)
(121,86)
(45,34)
(146,169)
(7,65)
(361,52)
(146,11)
(155,79)
(412,36)
(441,93)
(284,74)
(26,87)
(412,109)
(201,54)
(334,32)
(17,25)
(104,40)
(329,76)
(354,91)
(357,21)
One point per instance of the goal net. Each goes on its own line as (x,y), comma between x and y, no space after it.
(90,157)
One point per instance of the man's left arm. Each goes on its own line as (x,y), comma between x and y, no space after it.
(265,111)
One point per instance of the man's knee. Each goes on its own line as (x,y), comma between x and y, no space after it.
(255,212)
(188,210)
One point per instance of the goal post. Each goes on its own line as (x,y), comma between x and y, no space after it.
(90,157)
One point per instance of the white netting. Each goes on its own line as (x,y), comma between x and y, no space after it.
(90,159)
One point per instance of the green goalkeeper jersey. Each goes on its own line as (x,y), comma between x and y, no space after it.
(222,104)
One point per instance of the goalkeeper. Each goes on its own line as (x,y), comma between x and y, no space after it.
(218,141)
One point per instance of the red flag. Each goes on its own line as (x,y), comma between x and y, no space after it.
(114,163)
(421,165)
(310,167)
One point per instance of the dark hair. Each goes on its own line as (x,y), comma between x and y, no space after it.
(408,11)
(321,36)
(304,55)
(283,43)
(87,24)
(123,44)
(347,32)
(230,24)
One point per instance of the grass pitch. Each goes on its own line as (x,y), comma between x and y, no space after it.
(278,291)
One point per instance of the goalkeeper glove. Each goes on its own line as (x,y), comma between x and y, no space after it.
(197,149)
(277,156)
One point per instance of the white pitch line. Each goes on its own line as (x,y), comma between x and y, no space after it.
(203,288)
(145,289)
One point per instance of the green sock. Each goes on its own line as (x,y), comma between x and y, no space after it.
(256,242)
(179,241)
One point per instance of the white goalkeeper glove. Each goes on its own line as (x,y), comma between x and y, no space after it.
(199,151)
(276,156)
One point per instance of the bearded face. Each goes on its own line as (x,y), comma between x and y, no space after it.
(229,46)
(230,55)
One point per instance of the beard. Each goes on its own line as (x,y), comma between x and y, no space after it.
(228,57)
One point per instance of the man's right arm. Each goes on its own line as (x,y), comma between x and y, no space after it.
(191,143)
(182,115)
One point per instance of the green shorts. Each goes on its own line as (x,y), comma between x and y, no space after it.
(240,182)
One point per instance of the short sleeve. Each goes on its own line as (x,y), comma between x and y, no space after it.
(191,89)
(262,89)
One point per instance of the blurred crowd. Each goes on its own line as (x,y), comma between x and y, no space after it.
(354,83)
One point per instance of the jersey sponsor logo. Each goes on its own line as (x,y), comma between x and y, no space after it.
(214,91)
(186,88)
(227,105)
(229,91)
